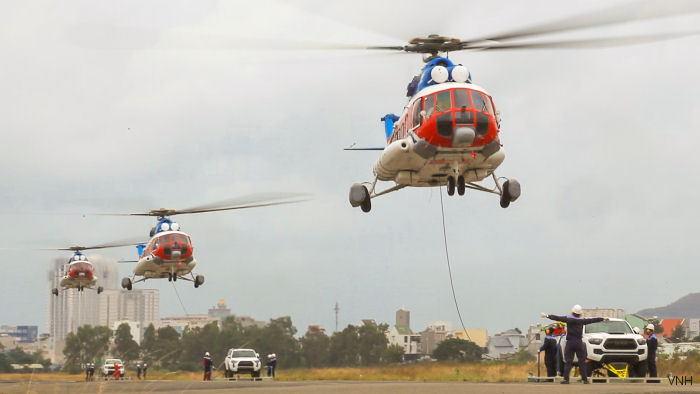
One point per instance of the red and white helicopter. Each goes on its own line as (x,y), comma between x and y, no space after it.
(169,253)
(80,273)
(448,132)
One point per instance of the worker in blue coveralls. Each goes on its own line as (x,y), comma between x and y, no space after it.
(574,341)
(550,352)
(206,362)
(652,345)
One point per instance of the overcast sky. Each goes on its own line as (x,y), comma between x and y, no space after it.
(129,106)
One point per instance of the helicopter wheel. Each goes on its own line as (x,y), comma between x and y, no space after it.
(126,283)
(450,186)
(461,185)
(170,277)
(54,291)
(174,277)
(198,281)
(100,289)
(366,205)
(511,192)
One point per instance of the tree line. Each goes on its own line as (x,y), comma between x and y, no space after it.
(164,347)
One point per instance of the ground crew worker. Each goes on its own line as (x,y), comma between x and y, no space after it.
(652,345)
(560,332)
(271,364)
(138,371)
(206,361)
(574,342)
(550,352)
(145,368)
(91,368)
(87,371)
(117,372)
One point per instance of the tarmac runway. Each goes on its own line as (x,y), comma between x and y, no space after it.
(335,387)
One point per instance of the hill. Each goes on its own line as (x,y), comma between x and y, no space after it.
(686,307)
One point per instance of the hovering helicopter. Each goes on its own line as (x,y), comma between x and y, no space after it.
(169,253)
(448,132)
(80,273)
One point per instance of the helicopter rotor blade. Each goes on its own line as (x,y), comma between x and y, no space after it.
(248,201)
(578,44)
(628,12)
(113,244)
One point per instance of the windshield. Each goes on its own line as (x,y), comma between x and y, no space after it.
(243,353)
(610,327)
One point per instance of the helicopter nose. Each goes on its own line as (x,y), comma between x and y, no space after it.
(464,136)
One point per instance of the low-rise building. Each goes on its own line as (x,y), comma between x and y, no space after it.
(181,323)
(505,344)
(477,335)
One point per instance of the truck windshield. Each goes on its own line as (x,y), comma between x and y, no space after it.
(610,327)
(243,353)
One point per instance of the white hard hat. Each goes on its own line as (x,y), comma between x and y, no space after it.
(577,309)
(650,327)
(636,330)
(274,355)
(206,354)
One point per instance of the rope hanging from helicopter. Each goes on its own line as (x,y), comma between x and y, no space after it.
(179,299)
(449,267)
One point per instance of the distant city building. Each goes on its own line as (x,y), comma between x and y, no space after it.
(535,338)
(23,334)
(477,335)
(614,313)
(70,309)
(403,318)
(401,334)
(181,323)
(505,344)
(247,321)
(693,328)
(220,311)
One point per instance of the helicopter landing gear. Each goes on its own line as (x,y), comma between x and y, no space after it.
(198,281)
(461,185)
(127,283)
(54,291)
(100,289)
(359,196)
(510,191)
(450,186)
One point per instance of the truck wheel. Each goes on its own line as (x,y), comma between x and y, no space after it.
(255,374)
(639,369)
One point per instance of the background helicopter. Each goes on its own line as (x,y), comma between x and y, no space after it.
(448,132)
(80,273)
(169,253)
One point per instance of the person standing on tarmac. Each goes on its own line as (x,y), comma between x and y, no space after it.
(271,364)
(652,345)
(206,361)
(550,352)
(574,341)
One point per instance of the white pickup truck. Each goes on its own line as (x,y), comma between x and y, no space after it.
(613,343)
(108,367)
(240,361)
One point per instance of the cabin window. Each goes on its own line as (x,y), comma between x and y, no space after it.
(478,100)
(444,101)
(489,105)
(415,115)
(482,124)
(429,105)
(444,125)
(464,117)
(462,98)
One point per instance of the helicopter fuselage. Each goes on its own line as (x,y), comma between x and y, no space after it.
(167,253)
(80,274)
(447,129)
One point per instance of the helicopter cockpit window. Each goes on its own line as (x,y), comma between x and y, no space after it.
(479,103)
(444,102)
(462,98)
(415,116)
(429,105)
(489,105)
